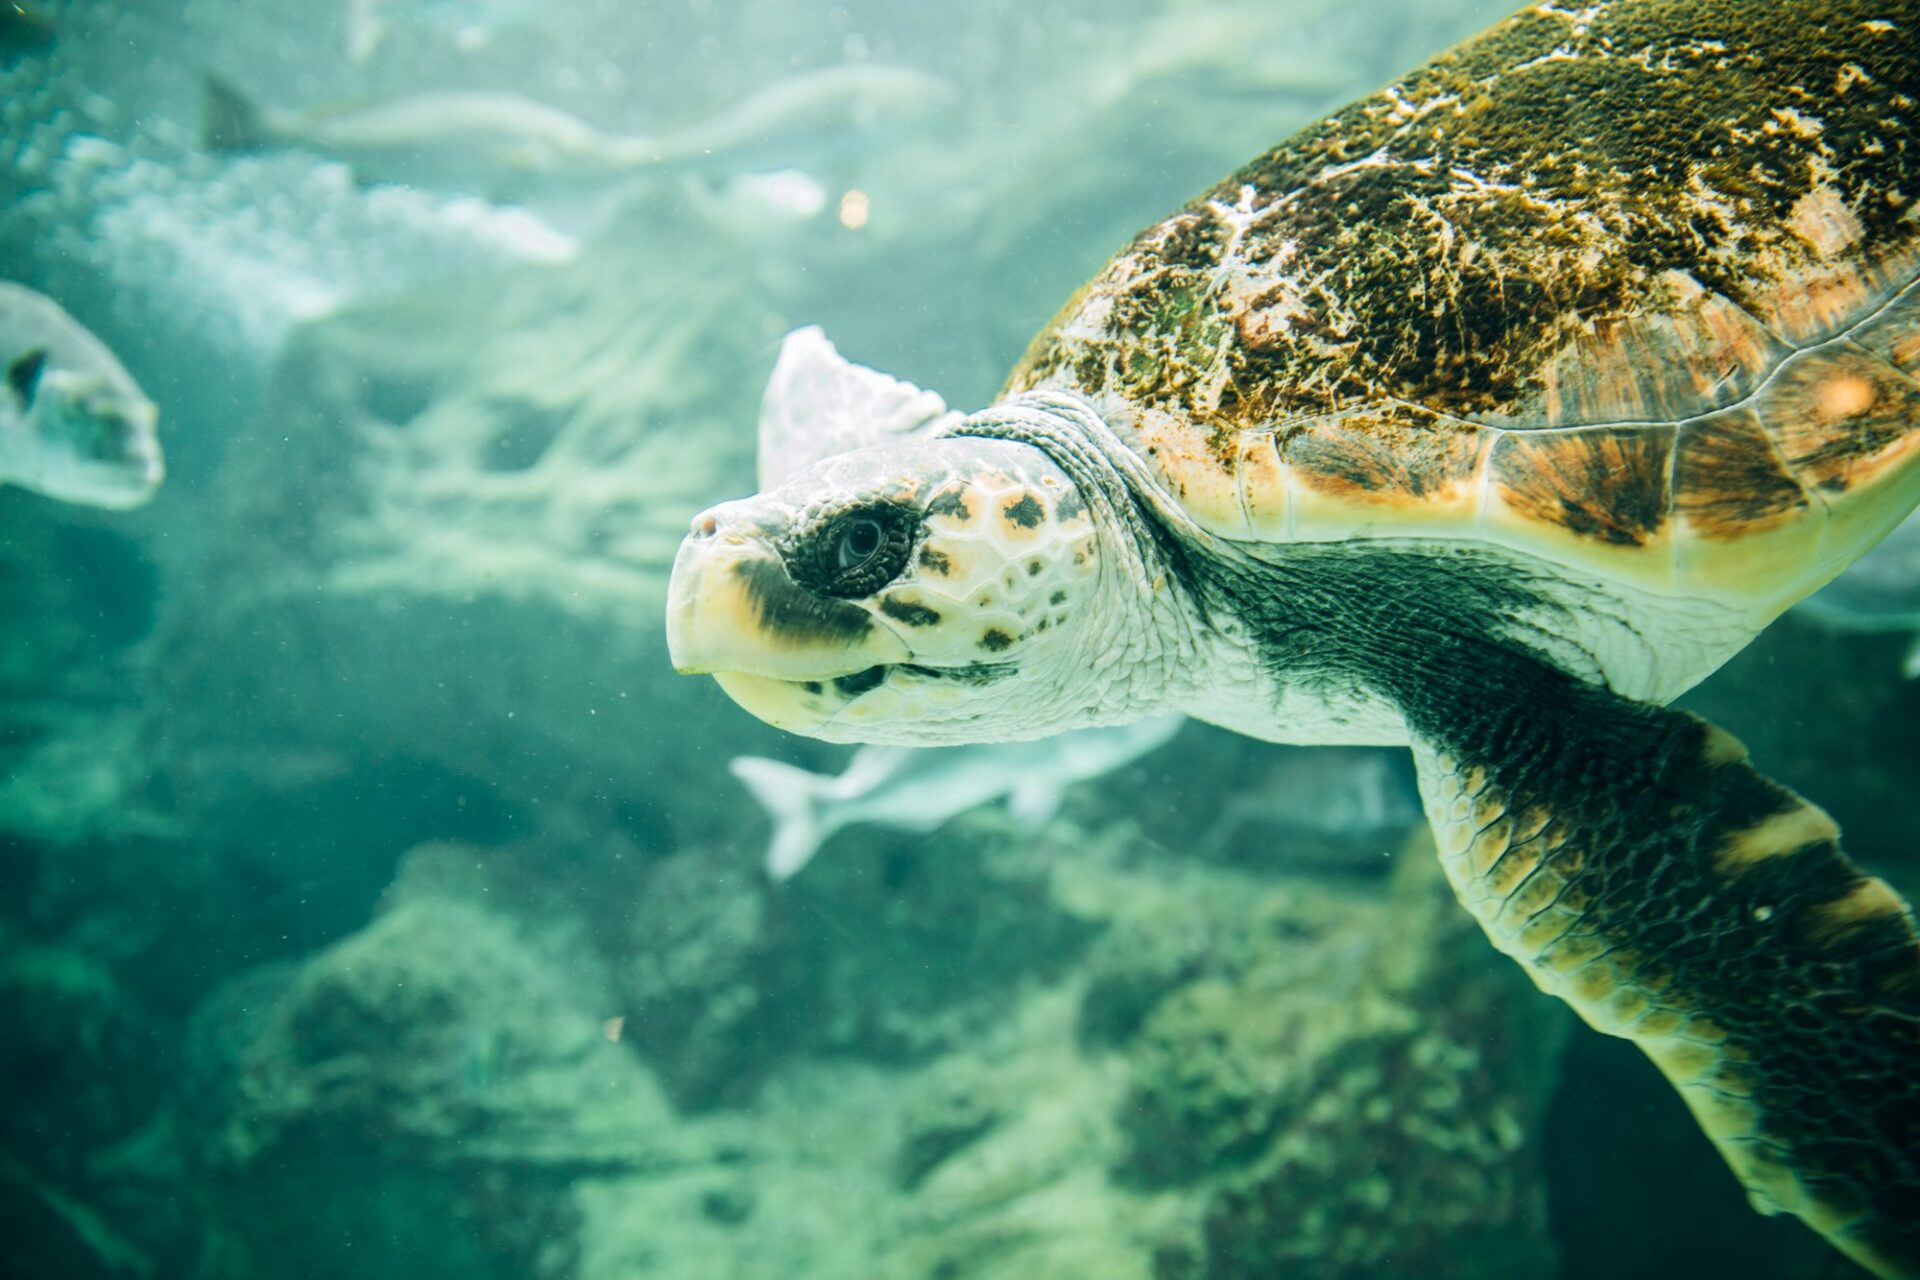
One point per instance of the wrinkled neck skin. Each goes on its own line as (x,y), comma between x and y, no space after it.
(1253,638)
(1152,644)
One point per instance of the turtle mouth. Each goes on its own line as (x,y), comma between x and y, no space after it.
(864,681)
(861,682)
(819,708)
(824,667)
(975,673)
(732,606)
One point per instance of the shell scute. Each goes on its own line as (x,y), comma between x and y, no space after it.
(1604,299)
(1606,483)
(1894,334)
(1839,415)
(1390,459)
(1700,352)
(1729,480)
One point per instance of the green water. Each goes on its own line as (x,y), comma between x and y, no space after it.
(376,902)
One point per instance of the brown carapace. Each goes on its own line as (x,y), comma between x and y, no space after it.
(1631,285)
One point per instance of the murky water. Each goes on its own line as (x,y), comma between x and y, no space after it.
(375,901)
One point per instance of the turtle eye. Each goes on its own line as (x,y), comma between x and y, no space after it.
(856,540)
(856,552)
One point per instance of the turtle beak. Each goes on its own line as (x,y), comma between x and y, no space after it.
(733,610)
(803,707)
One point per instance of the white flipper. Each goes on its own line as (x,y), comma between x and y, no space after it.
(790,796)
(819,404)
(1033,804)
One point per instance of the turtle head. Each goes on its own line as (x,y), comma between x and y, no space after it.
(929,591)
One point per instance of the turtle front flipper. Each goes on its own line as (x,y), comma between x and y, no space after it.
(1638,867)
(819,404)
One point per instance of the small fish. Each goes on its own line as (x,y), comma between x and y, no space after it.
(918,789)
(493,144)
(801,120)
(754,207)
(73,423)
(502,145)
(1879,592)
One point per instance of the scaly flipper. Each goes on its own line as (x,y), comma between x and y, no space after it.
(1640,869)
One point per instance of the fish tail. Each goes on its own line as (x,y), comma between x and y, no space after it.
(791,798)
(230,120)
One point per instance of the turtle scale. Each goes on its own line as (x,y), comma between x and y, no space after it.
(1592,283)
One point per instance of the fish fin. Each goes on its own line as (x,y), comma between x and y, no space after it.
(229,119)
(870,768)
(790,796)
(1910,664)
(1033,803)
(23,375)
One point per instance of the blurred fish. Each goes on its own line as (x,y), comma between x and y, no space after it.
(73,423)
(1322,805)
(503,145)
(919,789)
(493,144)
(1879,592)
(470,24)
(800,120)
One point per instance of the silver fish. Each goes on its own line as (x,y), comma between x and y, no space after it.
(493,144)
(918,789)
(23,26)
(800,121)
(502,145)
(73,423)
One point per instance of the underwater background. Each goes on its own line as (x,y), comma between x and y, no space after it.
(374,899)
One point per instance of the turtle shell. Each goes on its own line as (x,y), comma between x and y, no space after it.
(1632,287)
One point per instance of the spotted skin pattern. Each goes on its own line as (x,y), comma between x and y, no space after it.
(995,595)
(997,551)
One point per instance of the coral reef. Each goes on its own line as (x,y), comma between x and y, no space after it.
(1367,1104)
(485,1041)
(435,1065)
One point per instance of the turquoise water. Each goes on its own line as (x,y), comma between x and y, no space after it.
(374,899)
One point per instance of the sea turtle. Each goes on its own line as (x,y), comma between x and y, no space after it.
(1486,415)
